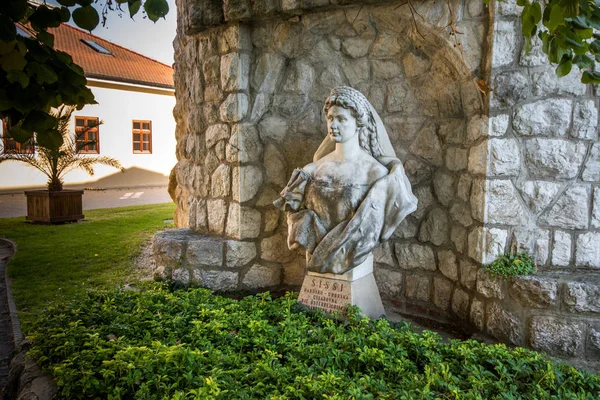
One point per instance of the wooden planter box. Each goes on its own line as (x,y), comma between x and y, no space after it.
(54,207)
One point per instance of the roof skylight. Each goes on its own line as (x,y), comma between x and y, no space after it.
(97,47)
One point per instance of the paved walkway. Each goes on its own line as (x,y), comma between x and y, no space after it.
(15,205)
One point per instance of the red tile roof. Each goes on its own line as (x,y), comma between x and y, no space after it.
(123,66)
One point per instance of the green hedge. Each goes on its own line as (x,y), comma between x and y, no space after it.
(159,343)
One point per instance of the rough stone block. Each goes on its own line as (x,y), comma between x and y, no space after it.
(384,254)
(261,276)
(489,286)
(273,128)
(385,69)
(485,244)
(217,215)
(234,108)
(596,208)
(460,303)
(456,158)
(216,133)
(244,144)
(550,117)
(235,69)
(418,287)
(275,248)
(300,78)
(468,274)
(478,127)
(435,227)
(591,172)
(267,72)
(275,166)
(181,277)
(571,211)
(503,205)
(554,158)
(220,181)
(167,246)
(505,37)
(236,10)
(238,254)
(463,189)
(246,182)
(587,250)
(357,46)
(510,87)
(534,291)
(535,57)
(477,315)
(461,213)
(498,125)
(533,241)
(443,186)
(427,145)
(389,282)
(561,250)
(538,194)
(503,324)
(448,265)
(236,37)
(442,292)
(294,272)
(583,296)
(495,157)
(556,335)
(411,256)
(425,199)
(458,234)
(242,222)
(222,281)
(545,82)
(593,343)
(204,250)
(585,121)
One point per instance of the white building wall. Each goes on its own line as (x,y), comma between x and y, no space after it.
(117,108)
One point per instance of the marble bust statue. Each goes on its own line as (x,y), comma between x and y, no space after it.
(354,194)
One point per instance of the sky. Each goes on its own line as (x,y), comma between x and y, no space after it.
(154,40)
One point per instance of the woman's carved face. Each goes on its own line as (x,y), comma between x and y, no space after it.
(341,125)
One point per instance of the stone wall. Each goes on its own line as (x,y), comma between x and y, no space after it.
(249,111)
(517,170)
(541,190)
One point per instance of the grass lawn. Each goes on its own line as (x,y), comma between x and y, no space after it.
(55,262)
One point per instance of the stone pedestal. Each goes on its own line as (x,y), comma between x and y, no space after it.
(333,292)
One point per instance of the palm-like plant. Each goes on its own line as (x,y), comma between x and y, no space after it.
(56,163)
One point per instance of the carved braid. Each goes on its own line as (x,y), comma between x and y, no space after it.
(358,104)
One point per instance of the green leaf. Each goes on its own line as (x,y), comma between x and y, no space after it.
(536,12)
(595,46)
(7,47)
(38,121)
(18,76)
(556,17)
(13,61)
(590,77)
(8,31)
(5,102)
(584,33)
(522,3)
(46,38)
(50,139)
(564,68)
(156,9)
(19,134)
(43,73)
(86,17)
(134,7)
(583,61)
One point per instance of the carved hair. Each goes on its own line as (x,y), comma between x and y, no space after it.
(360,109)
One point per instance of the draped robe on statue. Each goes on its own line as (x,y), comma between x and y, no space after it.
(341,223)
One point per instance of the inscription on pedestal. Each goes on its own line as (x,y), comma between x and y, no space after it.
(326,294)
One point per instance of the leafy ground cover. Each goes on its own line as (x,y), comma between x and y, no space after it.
(55,262)
(159,343)
(511,264)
